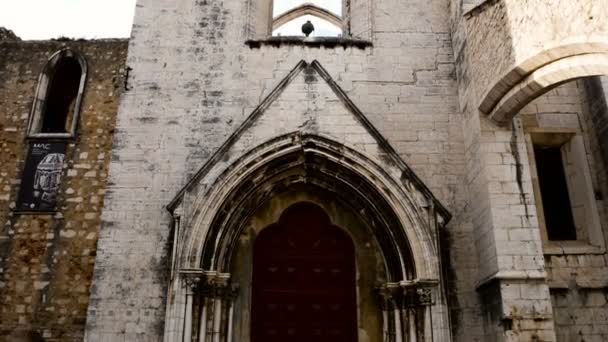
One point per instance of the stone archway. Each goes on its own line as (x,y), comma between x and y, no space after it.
(544,79)
(369,263)
(209,296)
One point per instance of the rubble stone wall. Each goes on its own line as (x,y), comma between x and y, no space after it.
(46,260)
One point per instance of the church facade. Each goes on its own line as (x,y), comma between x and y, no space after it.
(411,171)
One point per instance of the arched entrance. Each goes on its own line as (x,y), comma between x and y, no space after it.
(388,221)
(303,280)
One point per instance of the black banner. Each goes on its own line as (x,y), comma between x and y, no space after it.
(42,176)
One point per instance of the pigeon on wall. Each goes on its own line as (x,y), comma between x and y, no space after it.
(307,28)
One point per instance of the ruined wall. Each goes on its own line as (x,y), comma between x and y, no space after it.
(194,80)
(46,261)
(7,35)
(496,44)
(507,39)
(577,274)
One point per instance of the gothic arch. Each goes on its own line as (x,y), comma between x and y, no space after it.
(400,219)
(305,9)
(556,63)
(546,78)
(401,215)
(43,91)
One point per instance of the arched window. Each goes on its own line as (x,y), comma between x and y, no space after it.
(288,16)
(349,19)
(58,96)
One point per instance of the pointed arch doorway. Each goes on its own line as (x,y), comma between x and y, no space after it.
(304,280)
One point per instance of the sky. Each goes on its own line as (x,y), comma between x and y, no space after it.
(294,28)
(45,19)
(281,6)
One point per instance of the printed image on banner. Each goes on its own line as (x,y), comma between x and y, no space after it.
(41,176)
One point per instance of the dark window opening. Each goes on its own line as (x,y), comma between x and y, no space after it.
(557,208)
(61,95)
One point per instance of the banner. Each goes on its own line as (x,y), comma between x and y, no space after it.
(41,176)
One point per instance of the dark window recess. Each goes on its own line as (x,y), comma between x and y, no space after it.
(554,193)
(62,93)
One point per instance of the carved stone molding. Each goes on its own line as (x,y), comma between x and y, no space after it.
(191,279)
(214,285)
(404,295)
(425,296)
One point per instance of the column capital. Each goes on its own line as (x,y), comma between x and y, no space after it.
(410,294)
(218,285)
(425,296)
(191,278)
(178,212)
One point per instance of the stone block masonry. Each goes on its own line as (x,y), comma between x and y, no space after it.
(457,91)
(195,80)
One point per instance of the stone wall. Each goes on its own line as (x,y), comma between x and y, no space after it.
(194,81)
(508,39)
(579,281)
(575,271)
(497,45)
(46,261)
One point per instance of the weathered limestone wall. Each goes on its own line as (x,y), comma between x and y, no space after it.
(46,261)
(596,89)
(507,39)
(194,81)
(496,45)
(576,275)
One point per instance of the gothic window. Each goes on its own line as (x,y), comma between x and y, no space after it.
(331,18)
(58,96)
(288,16)
(52,123)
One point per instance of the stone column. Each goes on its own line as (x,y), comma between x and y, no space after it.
(217,296)
(406,311)
(425,300)
(387,305)
(191,281)
(231,296)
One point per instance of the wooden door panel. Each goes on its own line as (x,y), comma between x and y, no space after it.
(303,280)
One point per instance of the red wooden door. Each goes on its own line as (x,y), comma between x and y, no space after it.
(303,280)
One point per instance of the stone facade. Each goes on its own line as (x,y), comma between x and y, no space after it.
(46,260)
(415,131)
(509,55)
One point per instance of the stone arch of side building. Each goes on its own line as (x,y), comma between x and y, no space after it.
(208,294)
(558,63)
